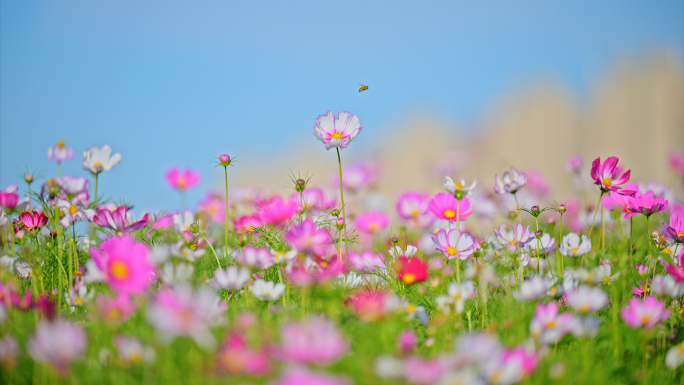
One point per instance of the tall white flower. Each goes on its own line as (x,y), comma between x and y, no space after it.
(231,278)
(573,246)
(586,299)
(675,356)
(459,186)
(97,160)
(267,290)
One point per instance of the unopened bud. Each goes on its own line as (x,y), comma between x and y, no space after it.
(28,178)
(562,208)
(538,234)
(512,214)
(300,185)
(224,159)
(339,223)
(535,210)
(395,240)
(551,221)
(655,234)
(53,233)
(335,213)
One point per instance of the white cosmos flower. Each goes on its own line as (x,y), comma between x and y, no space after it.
(350,281)
(459,185)
(573,246)
(97,160)
(532,289)
(267,290)
(397,252)
(675,356)
(182,272)
(587,299)
(231,278)
(283,256)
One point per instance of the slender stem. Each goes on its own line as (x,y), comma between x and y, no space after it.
(29,195)
(560,240)
(344,215)
(97,175)
(536,220)
(280,279)
(73,246)
(517,208)
(596,211)
(301,204)
(59,169)
(59,259)
(211,247)
(629,250)
(225,240)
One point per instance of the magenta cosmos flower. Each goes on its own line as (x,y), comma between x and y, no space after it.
(677,272)
(646,204)
(313,341)
(182,180)
(607,175)
(372,222)
(9,200)
(30,222)
(510,182)
(58,343)
(453,246)
(676,228)
(60,152)
(302,376)
(307,239)
(118,220)
(277,212)
(124,265)
(644,313)
(445,206)
(337,132)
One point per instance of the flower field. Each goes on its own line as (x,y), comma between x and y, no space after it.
(489,281)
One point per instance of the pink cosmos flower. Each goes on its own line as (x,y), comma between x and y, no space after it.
(123,264)
(366,261)
(511,366)
(118,220)
(675,230)
(307,239)
(60,152)
(407,341)
(117,309)
(574,164)
(312,341)
(677,272)
(337,132)
(356,177)
(510,183)
(248,223)
(413,207)
(30,222)
(453,246)
(641,269)
(74,210)
(372,222)
(537,183)
(513,238)
(182,180)
(255,258)
(58,343)
(445,206)
(617,201)
(607,175)
(301,376)
(235,357)
(372,305)
(421,371)
(548,326)
(9,200)
(182,311)
(644,313)
(312,199)
(214,205)
(645,204)
(276,211)
(676,162)
(73,186)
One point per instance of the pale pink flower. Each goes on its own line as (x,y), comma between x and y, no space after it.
(73,186)
(355,178)
(587,299)
(372,222)
(510,183)
(133,351)
(408,341)
(413,208)
(214,205)
(548,326)
(644,313)
(511,366)
(60,152)
(58,343)
(513,238)
(301,376)
(306,238)
(366,261)
(182,180)
(421,371)
(115,310)
(574,164)
(255,258)
(454,246)
(9,352)
(235,357)
(312,341)
(124,265)
(337,132)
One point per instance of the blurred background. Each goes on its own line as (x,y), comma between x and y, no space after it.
(455,88)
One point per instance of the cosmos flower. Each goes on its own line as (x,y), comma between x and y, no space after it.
(349,281)
(574,246)
(459,187)
(74,211)
(130,350)
(115,310)
(122,264)
(397,252)
(73,186)
(513,238)
(306,238)
(574,164)
(615,201)
(677,272)
(58,343)
(312,341)
(457,294)
(644,313)
(231,278)
(454,246)
(373,305)
(118,220)
(356,177)
(8,200)
(532,289)
(302,376)
(675,230)
(182,180)
(413,208)
(407,341)
(337,132)
(544,245)
(255,258)
(60,152)
(607,175)
(29,222)
(645,204)
(549,327)
(366,261)
(214,205)
(235,357)
(511,366)
(9,352)
(445,206)
(276,211)
(267,290)
(585,299)
(248,223)
(666,286)
(97,160)
(411,270)
(372,222)
(675,355)
(510,183)
(182,311)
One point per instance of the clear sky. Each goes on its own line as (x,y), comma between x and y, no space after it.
(177,82)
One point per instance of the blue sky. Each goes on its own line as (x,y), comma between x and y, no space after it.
(170,82)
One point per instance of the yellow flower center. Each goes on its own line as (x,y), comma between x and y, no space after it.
(574,250)
(415,213)
(78,301)
(73,210)
(98,165)
(408,278)
(667,251)
(513,241)
(680,234)
(373,227)
(337,135)
(606,279)
(584,309)
(680,349)
(449,214)
(590,277)
(607,182)
(645,319)
(60,143)
(551,324)
(411,308)
(119,270)
(182,183)
(459,185)
(451,250)
(456,296)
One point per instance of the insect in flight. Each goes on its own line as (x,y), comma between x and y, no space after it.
(363,87)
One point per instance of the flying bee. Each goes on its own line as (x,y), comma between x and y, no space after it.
(363,87)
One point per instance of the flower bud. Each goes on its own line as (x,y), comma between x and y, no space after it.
(512,214)
(335,213)
(562,208)
(551,221)
(224,159)
(300,185)
(339,223)
(655,234)
(535,210)
(641,269)
(395,240)
(538,234)
(28,178)
(407,341)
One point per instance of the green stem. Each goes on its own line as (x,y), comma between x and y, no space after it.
(59,170)
(344,215)
(212,248)
(225,169)
(458,236)
(596,211)
(536,220)
(280,279)
(59,275)
(517,208)
(560,240)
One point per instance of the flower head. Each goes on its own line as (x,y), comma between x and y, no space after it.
(459,188)
(411,270)
(312,341)
(644,313)
(574,164)
(445,206)
(30,222)
(115,310)
(182,180)
(574,246)
(675,230)
(372,222)
(267,290)
(513,238)
(60,152)
(510,182)
(255,258)
(454,246)
(97,160)
(645,204)
(548,326)
(587,299)
(356,177)
(231,278)
(675,356)
(58,343)
(413,208)
(236,357)
(118,220)
(307,239)
(9,199)
(123,264)
(337,132)
(607,175)
(276,212)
